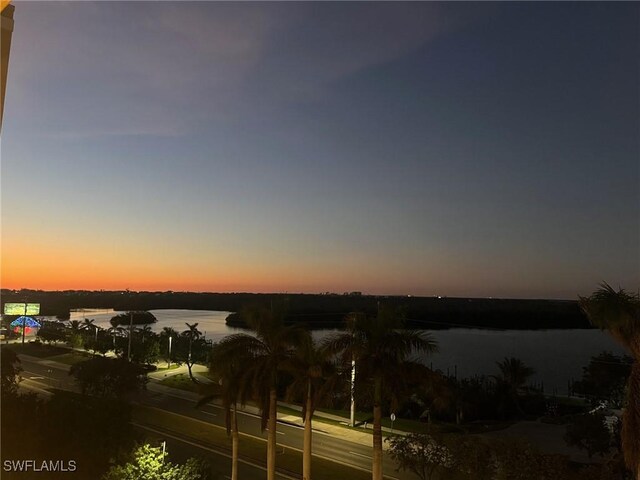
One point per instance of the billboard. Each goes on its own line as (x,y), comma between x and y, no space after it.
(21,308)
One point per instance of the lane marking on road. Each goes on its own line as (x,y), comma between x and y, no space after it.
(217,452)
(35,378)
(350,465)
(209,413)
(361,455)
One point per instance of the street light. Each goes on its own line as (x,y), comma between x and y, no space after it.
(353,383)
(169,358)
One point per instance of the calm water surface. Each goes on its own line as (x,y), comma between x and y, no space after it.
(557,355)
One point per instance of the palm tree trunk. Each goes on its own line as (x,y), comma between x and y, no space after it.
(234,443)
(306,455)
(271,435)
(376,467)
(189,366)
(631,423)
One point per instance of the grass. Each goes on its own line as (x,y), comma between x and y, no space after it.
(36,350)
(172,367)
(72,358)
(181,381)
(251,448)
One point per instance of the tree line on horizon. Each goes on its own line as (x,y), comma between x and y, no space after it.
(326,311)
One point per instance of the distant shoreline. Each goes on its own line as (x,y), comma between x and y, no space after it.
(328,311)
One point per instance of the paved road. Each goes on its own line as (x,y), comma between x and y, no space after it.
(40,375)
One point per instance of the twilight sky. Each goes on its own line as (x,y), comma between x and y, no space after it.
(483,149)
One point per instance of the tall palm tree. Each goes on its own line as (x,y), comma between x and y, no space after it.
(271,346)
(315,379)
(192,333)
(381,348)
(618,312)
(227,373)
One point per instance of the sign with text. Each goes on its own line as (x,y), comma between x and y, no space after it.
(21,308)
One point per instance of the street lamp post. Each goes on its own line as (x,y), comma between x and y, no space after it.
(353,400)
(169,358)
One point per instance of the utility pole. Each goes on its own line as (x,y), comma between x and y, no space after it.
(352,418)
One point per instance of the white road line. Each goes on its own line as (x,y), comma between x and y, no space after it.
(260,438)
(209,413)
(361,455)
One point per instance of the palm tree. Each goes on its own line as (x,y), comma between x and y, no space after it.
(90,325)
(75,327)
(227,373)
(514,375)
(618,312)
(315,379)
(381,348)
(271,347)
(145,331)
(115,331)
(192,334)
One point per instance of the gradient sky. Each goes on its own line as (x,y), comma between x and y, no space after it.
(487,149)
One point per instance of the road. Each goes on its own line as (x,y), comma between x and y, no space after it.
(39,376)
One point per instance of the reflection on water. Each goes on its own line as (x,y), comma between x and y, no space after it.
(557,355)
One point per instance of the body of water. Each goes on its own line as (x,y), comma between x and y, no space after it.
(557,355)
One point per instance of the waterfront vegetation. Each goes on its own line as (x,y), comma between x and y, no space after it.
(441,420)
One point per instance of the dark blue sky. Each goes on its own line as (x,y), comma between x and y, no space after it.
(482,149)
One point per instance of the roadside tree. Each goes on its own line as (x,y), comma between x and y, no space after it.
(228,386)
(315,378)
(381,348)
(268,350)
(149,463)
(105,377)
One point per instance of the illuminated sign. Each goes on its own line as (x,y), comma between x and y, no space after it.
(21,308)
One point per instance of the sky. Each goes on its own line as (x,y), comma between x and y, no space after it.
(458,149)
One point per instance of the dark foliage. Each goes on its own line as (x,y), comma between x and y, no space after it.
(133,318)
(9,371)
(605,378)
(105,377)
(91,431)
